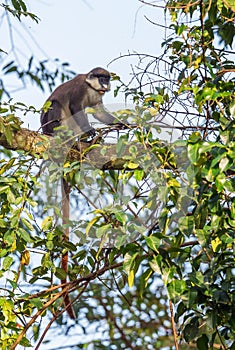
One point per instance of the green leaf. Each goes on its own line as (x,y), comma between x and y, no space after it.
(47,223)
(156,264)
(130,266)
(224,163)
(50,245)
(193,152)
(121,145)
(10,237)
(25,342)
(153,243)
(192,296)
(186,225)
(176,288)
(12,283)
(70,246)
(28,224)
(8,134)
(23,5)
(102,230)
(25,235)
(132,165)
(191,330)
(37,302)
(16,4)
(139,174)
(91,223)
(36,330)
(3,189)
(10,196)
(7,307)
(60,273)
(144,278)
(195,137)
(7,262)
(46,260)
(7,166)
(3,223)
(121,216)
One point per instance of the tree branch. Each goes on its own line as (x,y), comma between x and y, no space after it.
(43,146)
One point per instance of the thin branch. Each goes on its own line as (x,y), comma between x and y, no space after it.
(69,287)
(33,319)
(156,24)
(56,316)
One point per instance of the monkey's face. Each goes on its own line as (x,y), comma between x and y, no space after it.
(104,83)
(99,80)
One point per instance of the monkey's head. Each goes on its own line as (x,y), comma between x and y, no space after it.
(99,80)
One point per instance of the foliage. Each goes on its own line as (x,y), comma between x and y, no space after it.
(154,248)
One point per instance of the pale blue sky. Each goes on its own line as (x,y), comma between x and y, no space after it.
(94,34)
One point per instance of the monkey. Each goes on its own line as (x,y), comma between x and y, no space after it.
(69,100)
(68,103)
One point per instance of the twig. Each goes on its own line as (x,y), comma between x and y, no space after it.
(71,286)
(56,316)
(33,319)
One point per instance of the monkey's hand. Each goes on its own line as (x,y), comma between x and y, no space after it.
(89,133)
(121,125)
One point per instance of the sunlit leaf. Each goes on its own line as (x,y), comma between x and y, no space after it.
(25,257)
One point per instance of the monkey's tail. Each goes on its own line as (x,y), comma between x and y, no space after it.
(64,261)
(66,298)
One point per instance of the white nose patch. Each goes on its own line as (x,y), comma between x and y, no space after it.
(105,86)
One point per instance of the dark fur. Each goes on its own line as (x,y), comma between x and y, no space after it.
(69,100)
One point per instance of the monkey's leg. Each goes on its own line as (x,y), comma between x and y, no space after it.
(64,262)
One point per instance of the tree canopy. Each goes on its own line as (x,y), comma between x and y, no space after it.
(151,255)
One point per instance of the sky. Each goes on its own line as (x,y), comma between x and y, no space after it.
(92,33)
(86,34)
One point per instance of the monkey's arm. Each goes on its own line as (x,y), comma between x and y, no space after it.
(102,115)
(105,117)
(78,122)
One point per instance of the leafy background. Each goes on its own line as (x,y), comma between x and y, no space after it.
(153,263)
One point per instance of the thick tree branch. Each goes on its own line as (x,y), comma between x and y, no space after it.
(43,146)
(26,140)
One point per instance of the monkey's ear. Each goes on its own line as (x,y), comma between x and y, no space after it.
(93,82)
